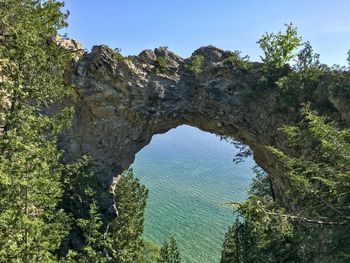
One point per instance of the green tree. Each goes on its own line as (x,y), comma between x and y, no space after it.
(278,48)
(239,244)
(93,239)
(124,236)
(169,252)
(306,58)
(164,253)
(319,176)
(316,228)
(31,78)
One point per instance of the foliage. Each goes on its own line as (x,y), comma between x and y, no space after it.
(243,149)
(321,173)
(339,87)
(124,242)
(31,224)
(164,48)
(314,230)
(300,85)
(169,252)
(240,62)
(306,58)
(261,185)
(239,244)
(150,252)
(80,201)
(320,176)
(195,64)
(93,239)
(278,48)
(261,232)
(161,64)
(46,205)
(115,53)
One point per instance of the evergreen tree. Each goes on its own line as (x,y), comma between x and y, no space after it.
(239,244)
(31,77)
(164,256)
(317,228)
(174,251)
(124,237)
(92,250)
(169,252)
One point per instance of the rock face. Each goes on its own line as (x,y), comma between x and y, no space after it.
(121,103)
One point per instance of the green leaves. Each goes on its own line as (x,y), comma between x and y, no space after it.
(315,228)
(169,252)
(241,62)
(124,241)
(161,64)
(31,77)
(195,64)
(278,48)
(34,184)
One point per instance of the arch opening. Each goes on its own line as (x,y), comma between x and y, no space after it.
(190,174)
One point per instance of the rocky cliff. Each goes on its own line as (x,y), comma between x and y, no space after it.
(120,103)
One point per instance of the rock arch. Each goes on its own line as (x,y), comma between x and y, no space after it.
(120,103)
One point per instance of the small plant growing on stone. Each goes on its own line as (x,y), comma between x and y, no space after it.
(164,48)
(238,60)
(115,53)
(196,64)
(161,64)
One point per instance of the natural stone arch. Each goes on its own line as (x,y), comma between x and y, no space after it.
(121,103)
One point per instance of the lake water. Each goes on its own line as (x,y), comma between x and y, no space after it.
(190,175)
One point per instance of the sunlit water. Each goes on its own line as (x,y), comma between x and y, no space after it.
(190,175)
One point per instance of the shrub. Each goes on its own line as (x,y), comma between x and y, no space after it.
(115,53)
(161,64)
(236,59)
(196,64)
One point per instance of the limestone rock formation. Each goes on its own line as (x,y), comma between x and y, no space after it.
(120,103)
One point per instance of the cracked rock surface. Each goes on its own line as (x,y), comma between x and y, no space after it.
(120,103)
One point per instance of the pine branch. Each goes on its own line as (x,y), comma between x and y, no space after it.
(295,218)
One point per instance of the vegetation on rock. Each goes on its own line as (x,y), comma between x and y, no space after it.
(240,62)
(195,64)
(115,54)
(161,64)
(314,230)
(278,48)
(50,211)
(313,227)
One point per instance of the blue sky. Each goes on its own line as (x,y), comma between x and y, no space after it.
(185,25)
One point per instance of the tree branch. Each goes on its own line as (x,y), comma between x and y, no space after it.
(310,221)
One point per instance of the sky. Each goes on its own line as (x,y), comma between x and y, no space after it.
(186,25)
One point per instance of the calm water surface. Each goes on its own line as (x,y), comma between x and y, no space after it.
(190,174)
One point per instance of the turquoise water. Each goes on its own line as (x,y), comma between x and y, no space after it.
(190,174)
